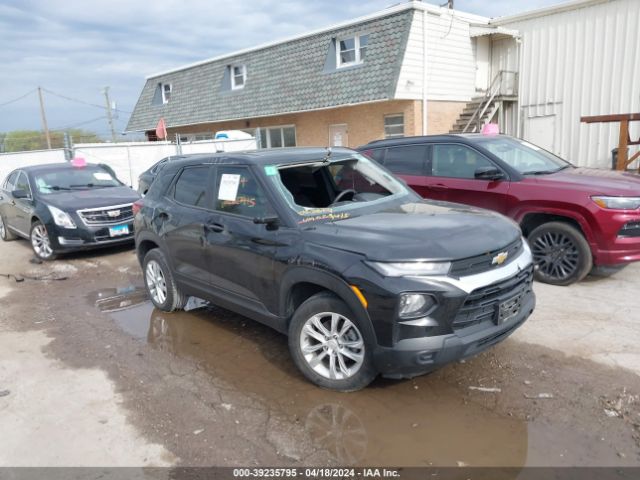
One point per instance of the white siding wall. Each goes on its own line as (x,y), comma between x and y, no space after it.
(580,62)
(451,67)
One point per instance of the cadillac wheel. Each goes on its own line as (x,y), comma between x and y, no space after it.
(40,242)
(328,345)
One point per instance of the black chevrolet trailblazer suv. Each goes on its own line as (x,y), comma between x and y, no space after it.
(330,248)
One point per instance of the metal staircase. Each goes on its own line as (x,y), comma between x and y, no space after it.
(482,110)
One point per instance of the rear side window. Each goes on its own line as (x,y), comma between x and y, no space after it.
(191,187)
(238,192)
(377,154)
(406,159)
(456,161)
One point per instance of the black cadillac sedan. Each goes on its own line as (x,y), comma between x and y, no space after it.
(65,207)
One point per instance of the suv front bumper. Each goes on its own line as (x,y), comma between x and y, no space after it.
(416,356)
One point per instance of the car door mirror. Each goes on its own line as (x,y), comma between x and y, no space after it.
(488,173)
(20,193)
(272,223)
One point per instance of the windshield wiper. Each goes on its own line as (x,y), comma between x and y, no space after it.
(539,172)
(55,187)
(88,185)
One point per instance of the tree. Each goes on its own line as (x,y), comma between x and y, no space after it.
(23,140)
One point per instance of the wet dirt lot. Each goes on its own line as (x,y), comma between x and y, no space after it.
(208,387)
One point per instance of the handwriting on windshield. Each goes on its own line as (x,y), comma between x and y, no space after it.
(332,217)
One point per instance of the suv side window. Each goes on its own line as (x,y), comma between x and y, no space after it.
(22,183)
(11,181)
(406,159)
(456,161)
(191,186)
(238,192)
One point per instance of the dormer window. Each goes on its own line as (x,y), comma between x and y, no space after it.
(238,76)
(166,92)
(351,50)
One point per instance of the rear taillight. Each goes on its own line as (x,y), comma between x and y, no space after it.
(136,207)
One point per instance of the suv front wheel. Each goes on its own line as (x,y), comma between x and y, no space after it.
(160,283)
(329,345)
(560,252)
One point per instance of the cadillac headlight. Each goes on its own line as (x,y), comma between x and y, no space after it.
(62,219)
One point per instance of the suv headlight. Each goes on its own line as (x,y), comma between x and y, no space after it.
(62,219)
(411,269)
(617,203)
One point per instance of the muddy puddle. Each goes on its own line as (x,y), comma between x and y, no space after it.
(424,421)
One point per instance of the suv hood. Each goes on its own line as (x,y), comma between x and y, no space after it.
(595,181)
(428,230)
(93,198)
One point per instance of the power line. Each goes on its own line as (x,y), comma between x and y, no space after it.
(74,125)
(19,98)
(77,100)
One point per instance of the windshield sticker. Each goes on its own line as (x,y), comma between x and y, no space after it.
(102,176)
(270,170)
(229,184)
(331,217)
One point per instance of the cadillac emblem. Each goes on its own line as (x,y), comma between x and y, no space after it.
(500,258)
(116,213)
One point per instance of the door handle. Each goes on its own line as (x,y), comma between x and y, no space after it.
(214,227)
(439,187)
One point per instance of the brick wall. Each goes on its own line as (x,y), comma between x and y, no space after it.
(364,122)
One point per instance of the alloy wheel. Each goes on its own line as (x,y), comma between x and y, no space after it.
(2,227)
(40,241)
(332,345)
(156,282)
(556,255)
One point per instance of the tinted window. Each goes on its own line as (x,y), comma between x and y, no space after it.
(406,160)
(11,181)
(23,184)
(191,187)
(376,154)
(456,161)
(239,193)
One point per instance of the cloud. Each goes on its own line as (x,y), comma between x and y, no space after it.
(76,48)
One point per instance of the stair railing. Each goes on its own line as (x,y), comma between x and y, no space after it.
(495,89)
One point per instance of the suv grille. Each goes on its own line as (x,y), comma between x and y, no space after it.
(484,262)
(107,215)
(482,304)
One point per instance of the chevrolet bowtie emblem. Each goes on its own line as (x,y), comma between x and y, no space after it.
(500,258)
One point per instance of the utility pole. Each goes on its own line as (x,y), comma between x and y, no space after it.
(45,127)
(109,115)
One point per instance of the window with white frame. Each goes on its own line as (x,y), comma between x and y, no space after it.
(278,137)
(166,92)
(394,125)
(351,50)
(238,76)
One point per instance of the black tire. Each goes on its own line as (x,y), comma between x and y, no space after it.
(328,303)
(606,271)
(40,236)
(172,299)
(561,253)
(6,234)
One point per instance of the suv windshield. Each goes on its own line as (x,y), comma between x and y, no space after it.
(328,190)
(525,157)
(66,179)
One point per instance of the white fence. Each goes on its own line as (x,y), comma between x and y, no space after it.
(11,161)
(128,160)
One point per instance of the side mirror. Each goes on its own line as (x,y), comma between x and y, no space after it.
(272,223)
(17,194)
(488,173)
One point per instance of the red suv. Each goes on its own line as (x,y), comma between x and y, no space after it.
(577,220)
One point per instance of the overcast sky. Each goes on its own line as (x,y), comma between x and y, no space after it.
(75,48)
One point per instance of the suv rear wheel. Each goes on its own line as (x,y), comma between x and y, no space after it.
(5,233)
(160,284)
(329,345)
(561,253)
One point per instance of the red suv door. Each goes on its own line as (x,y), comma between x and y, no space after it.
(451,169)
